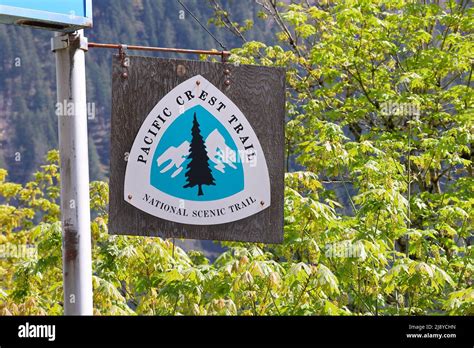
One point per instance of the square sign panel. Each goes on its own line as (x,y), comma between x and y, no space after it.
(197,150)
(58,15)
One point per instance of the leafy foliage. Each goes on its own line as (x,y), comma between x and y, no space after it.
(141,275)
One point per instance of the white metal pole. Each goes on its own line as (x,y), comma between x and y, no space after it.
(73,148)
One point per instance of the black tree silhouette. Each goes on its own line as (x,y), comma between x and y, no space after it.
(198,172)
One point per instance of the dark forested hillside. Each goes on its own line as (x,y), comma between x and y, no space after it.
(28,126)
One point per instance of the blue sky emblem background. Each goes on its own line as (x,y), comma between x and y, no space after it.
(226,184)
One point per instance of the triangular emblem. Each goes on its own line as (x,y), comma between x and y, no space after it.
(196,159)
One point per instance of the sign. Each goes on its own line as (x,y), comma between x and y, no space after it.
(58,15)
(197,150)
(197,160)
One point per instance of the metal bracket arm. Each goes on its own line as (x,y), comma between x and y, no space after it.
(64,41)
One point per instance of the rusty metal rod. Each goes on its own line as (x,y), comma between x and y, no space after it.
(223,54)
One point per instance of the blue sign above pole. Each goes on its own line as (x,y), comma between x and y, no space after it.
(57,15)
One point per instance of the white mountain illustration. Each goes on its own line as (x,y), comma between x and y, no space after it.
(218,152)
(176,156)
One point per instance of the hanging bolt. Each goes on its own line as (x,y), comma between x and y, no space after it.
(227,82)
(181,70)
(226,71)
(124,75)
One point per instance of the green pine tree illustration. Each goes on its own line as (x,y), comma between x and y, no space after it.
(198,171)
